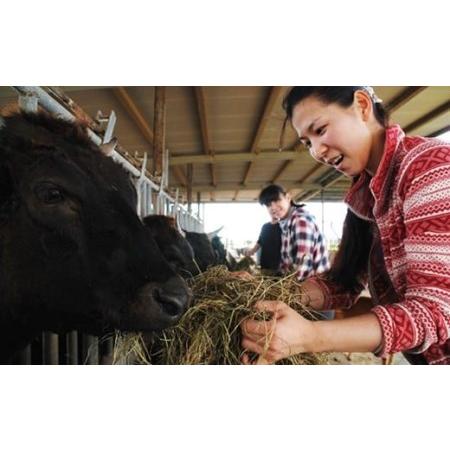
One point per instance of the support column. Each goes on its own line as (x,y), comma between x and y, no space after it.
(159,129)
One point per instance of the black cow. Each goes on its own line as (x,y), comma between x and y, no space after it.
(174,246)
(73,252)
(204,253)
(219,249)
(209,250)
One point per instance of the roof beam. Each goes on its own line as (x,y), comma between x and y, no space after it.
(233,157)
(444,108)
(404,97)
(266,113)
(230,186)
(439,132)
(201,107)
(311,172)
(281,171)
(178,172)
(296,146)
(309,195)
(134,112)
(137,117)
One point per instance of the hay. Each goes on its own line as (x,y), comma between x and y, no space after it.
(245,263)
(209,331)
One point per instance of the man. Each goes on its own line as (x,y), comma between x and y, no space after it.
(269,242)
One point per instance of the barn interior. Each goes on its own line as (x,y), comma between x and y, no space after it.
(223,142)
(207,144)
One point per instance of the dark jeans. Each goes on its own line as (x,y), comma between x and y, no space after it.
(417,360)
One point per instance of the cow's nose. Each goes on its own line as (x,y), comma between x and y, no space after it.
(173,297)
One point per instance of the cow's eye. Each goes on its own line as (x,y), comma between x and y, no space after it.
(49,194)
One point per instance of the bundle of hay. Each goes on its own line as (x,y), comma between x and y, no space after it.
(209,332)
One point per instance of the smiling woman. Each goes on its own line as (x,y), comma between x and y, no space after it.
(396,234)
(334,135)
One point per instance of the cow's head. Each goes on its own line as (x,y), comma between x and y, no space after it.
(204,253)
(73,252)
(173,245)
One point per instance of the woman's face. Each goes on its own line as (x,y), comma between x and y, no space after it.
(337,136)
(279,209)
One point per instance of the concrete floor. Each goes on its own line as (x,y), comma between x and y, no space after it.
(363,358)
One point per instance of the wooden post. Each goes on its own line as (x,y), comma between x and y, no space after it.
(190,170)
(159,128)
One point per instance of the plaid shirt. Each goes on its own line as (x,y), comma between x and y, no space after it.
(302,244)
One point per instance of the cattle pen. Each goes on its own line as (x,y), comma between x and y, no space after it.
(188,146)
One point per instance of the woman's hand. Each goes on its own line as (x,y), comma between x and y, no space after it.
(286,334)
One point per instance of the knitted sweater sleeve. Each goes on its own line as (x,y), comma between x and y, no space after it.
(335,296)
(422,317)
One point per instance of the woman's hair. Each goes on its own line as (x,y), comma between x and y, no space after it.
(273,193)
(270,194)
(342,95)
(349,267)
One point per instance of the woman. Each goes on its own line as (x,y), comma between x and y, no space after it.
(302,245)
(396,236)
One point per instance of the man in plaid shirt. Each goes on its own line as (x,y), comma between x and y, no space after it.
(302,244)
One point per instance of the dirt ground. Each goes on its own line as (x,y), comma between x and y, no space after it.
(363,359)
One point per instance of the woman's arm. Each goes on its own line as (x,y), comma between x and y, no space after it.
(251,251)
(288,333)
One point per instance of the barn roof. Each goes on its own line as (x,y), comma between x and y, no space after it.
(227,137)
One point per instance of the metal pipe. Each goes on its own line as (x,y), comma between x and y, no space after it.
(50,348)
(72,348)
(53,106)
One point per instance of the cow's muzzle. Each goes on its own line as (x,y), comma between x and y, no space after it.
(173,297)
(169,301)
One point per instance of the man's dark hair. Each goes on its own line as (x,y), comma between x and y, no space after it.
(270,194)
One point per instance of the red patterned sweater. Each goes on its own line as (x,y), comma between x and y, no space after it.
(409,265)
